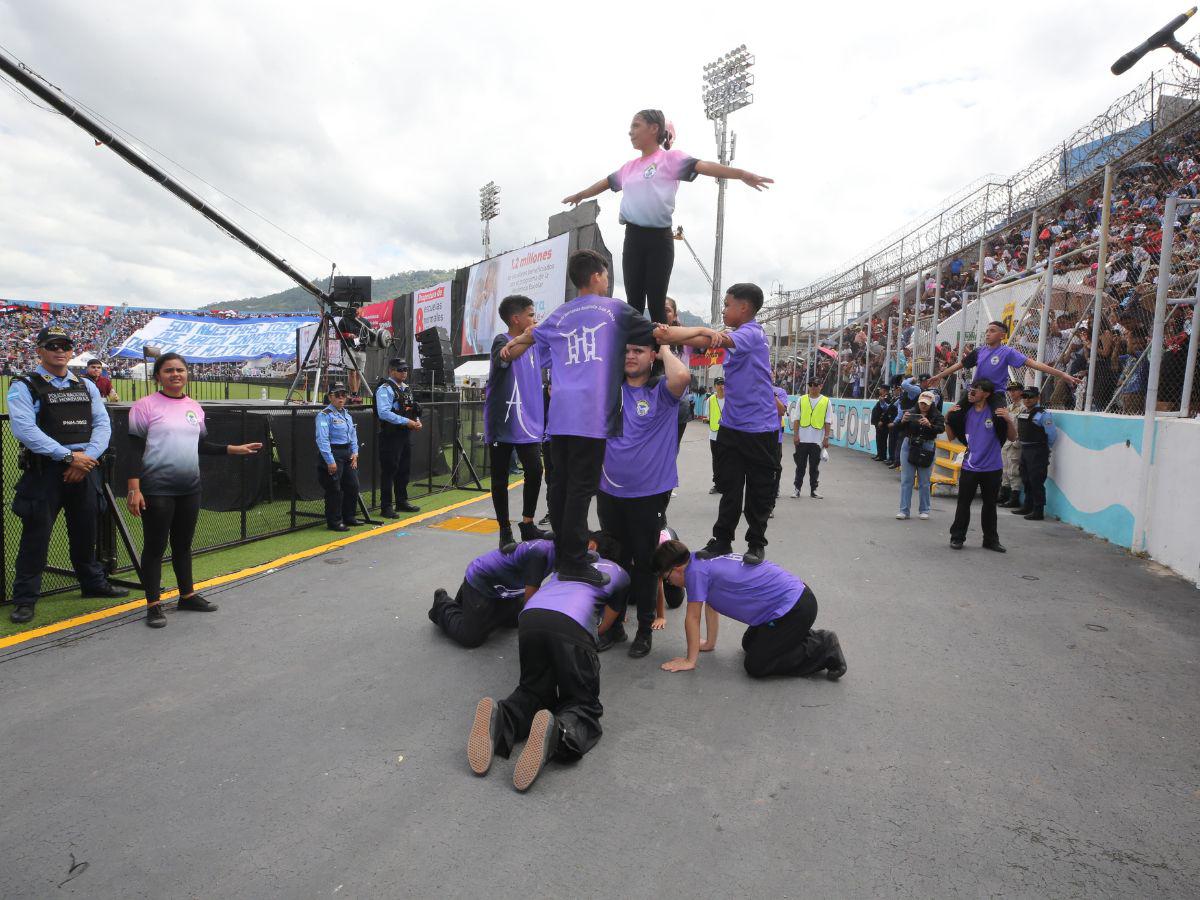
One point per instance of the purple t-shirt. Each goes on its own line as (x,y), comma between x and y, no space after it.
(503,576)
(513,409)
(172,428)
(583,343)
(582,602)
(750,594)
(650,184)
(641,462)
(782,397)
(749,399)
(983,444)
(993,363)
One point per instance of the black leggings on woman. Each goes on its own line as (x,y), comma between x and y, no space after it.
(166,519)
(646,261)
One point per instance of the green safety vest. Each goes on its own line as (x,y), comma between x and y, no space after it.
(813,416)
(714,413)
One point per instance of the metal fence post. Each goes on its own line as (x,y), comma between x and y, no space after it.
(1101,283)
(1044,321)
(900,326)
(1156,354)
(242,476)
(1032,241)
(292,486)
(1185,399)
(3,518)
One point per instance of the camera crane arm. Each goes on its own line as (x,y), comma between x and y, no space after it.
(34,83)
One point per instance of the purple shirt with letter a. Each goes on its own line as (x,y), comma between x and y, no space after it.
(503,576)
(583,343)
(582,602)
(983,444)
(749,398)
(782,397)
(513,409)
(993,363)
(750,594)
(641,462)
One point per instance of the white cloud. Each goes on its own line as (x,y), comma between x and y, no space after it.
(367,128)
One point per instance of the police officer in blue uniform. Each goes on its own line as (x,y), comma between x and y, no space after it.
(398,415)
(337,470)
(63,428)
(1037,434)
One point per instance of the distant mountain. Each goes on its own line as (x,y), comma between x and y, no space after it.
(690,319)
(299,300)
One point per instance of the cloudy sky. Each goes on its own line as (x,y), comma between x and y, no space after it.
(366,128)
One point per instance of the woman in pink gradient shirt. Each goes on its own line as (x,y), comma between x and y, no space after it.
(648,185)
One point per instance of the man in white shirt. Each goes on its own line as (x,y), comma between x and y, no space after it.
(812,423)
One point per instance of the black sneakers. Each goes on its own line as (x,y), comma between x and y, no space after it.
(407,507)
(538,749)
(995,546)
(506,537)
(754,555)
(155,617)
(440,599)
(105,590)
(615,635)
(21,615)
(642,642)
(530,532)
(713,549)
(196,603)
(481,744)
(388,513)
(585,574)
(837,659)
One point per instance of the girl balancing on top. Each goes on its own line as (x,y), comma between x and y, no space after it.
(649,184)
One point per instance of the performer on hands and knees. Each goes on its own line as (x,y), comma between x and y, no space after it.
(648,185)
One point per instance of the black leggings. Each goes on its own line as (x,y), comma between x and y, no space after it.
(646,261)
(531,461)
(168,519)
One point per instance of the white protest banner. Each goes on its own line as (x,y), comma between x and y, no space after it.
(431,309)
(538,272)
(204,339)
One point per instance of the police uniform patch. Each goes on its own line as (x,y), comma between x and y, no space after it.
(643,407)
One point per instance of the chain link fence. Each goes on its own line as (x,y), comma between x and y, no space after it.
(248,498)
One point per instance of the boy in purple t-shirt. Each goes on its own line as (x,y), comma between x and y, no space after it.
(778,607)
(993,360)
(556,706)
(638,477)
(583,343)
(747,452)
(984,430)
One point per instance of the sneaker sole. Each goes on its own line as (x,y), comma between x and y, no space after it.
(532,758)
(480,745)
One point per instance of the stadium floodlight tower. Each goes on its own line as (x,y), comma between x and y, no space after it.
(726,90)
(489,208)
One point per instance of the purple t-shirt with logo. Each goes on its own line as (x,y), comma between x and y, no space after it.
(583,343)
(582,602)
(750,594)
(503,576)
(782,397)
(641,462)
(749,399)
(513,409)
(983,444)
(993,363)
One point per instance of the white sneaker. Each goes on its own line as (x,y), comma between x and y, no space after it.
(923,516)
(796,494)
(901,516)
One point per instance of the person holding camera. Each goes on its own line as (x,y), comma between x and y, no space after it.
(920,427)
(63,428)
(398,414)
(337,470)
(355,331)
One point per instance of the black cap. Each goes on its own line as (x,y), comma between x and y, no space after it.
(1031,392)
(1015,386)
(53,333)
(397,364)
(718,380)
(337,388)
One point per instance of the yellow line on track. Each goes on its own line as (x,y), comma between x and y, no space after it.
(100,615)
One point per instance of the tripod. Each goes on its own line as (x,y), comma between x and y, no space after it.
(320,343)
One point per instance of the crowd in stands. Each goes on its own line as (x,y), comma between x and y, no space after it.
(97,328)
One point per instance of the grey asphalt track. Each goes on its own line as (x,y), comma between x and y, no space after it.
(1021,726)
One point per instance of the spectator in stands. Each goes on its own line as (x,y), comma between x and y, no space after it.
(95,373)
(920,426)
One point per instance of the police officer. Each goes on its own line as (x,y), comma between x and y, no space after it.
(63,428)
(1010,486)
(337,441)
(1037,434)
(398,414)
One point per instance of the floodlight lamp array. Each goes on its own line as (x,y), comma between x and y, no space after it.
(727,82)
(489,201)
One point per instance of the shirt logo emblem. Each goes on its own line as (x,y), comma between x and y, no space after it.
(192,418)
(581,345)
(643,407)
(996,360)
(987,423)
(650,170)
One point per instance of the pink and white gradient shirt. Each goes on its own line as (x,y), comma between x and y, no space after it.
(649,184)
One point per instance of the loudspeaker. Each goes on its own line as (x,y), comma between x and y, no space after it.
(351,290)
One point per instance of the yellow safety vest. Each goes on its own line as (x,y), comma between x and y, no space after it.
(714,413)
(813,416)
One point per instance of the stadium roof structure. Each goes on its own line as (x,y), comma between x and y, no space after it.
(1133,128)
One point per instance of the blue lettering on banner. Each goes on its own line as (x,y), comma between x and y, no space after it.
(203,339)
